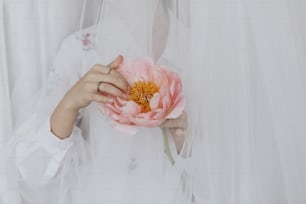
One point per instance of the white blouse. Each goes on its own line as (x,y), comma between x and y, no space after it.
(96,164)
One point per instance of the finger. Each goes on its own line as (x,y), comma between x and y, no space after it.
(116,73)
(115,63)
(102,69)
(111,90)
(101,99)
(116,80)
(108,69)
(95,76)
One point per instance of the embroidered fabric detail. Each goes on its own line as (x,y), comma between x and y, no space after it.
(132,164)
(87,40)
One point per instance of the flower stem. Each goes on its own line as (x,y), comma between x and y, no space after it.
(167,146)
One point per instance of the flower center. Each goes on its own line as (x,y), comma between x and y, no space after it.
(141,93)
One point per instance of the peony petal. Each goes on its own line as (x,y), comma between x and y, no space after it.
(176,100)
(126,69)
(140,70)
(166,100)
(123,120)
(168,103)
(175,84)
(155,101)
(131,108)
(143,69)
(148,115)
(159,77)
(172,88)
(177,110)
(147,122)
(111,108)
(159,114)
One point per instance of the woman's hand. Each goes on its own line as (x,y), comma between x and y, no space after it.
(95,86)
(178,129)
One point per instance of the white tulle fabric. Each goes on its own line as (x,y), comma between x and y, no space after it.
(5,119)
(245,87)
(97,164)
(249,60)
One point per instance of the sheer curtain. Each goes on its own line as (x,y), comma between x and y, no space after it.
(252,57)
(5,110)
(5,113)
(251,54)
(33,32)
(30,34)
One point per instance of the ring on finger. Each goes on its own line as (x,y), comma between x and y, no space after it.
(98,86)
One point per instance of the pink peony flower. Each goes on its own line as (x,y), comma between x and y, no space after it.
(155,95)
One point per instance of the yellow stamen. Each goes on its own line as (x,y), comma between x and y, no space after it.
(142,92)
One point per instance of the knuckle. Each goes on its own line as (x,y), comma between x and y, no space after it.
(120,82)
(112,78)
(114,72)
(117,92)
(96,66)
(94,75)
(103,99)
(90,75)
(87,86)
(92,97)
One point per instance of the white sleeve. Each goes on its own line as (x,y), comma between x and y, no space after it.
(40,155)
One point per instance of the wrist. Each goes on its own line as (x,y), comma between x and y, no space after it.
(69,106)
(62,120)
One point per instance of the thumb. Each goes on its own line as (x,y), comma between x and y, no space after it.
(115,64)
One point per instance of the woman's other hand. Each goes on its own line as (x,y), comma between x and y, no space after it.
(178,129)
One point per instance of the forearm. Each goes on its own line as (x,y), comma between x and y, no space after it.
(86,90)
(62,120)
